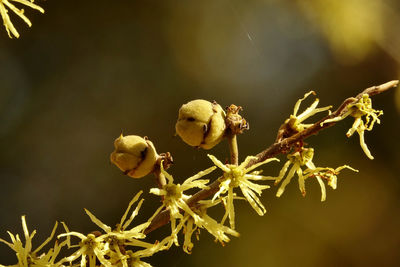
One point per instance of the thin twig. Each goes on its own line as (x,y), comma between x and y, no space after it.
(160,178)
(284,146)
(233,149)
(166,160)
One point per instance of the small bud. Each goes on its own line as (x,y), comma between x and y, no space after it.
(134,155)
(201,123)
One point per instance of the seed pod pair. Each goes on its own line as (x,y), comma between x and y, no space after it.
(134,155)
(201,123)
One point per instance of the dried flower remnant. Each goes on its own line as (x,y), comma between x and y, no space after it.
(235,122)
(4,4)
(26,257)
(363,108)
(304,157)
(241,176)
(174,199)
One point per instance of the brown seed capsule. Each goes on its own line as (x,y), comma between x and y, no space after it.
(134,155)
(201,123)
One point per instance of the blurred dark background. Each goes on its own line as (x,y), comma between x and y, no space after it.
(88,70)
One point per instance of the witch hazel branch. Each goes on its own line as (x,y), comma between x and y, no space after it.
(202,124)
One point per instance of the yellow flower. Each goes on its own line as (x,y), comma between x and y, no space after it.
(218,230)
(298,159)
(304,158)
(241,176)
(174,199)
(90,247)
(294,124)
(26,257)
(363,108)
(4,4)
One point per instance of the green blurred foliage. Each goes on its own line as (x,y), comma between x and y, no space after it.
(87,71)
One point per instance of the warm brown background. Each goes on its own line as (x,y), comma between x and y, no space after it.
(88,70)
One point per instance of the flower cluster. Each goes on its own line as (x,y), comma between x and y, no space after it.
(190,219)
(110,247)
